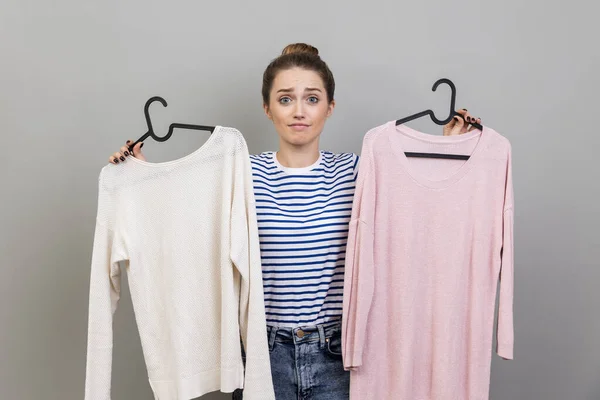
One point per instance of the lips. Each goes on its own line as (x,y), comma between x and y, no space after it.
(299,127)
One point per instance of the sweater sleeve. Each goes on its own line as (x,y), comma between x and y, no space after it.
(104,295)
(358,274)
(505,328)
(245,254)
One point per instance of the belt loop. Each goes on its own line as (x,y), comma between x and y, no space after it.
(321,336)
(272,335)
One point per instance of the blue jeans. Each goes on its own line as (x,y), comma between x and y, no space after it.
(306,363)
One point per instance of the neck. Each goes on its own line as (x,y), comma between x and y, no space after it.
(291,156)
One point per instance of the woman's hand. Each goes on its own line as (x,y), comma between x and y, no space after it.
(458,125)
(121,156)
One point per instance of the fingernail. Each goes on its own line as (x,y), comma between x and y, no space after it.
(141,145)
(464,109)
(116,161)
(122,158)
(455,118)
(129,141)
(126,153)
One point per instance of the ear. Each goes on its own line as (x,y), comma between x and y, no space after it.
(267,111)
(330,108)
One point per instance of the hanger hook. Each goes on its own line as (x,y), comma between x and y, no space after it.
(452,101)
(147,113)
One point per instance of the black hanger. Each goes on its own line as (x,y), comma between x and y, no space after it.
(439,122)
(171,127)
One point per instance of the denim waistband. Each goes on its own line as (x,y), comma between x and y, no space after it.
(303,334)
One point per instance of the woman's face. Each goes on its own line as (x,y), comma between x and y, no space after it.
(298,106)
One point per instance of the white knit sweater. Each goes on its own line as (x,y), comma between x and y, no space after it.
(187,233)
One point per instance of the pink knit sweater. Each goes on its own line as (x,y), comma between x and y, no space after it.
(429,240)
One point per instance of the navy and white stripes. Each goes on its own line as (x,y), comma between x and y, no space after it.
(303,216)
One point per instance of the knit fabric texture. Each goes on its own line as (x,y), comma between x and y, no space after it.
(429,240)
(187,234)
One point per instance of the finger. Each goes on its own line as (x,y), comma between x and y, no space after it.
(468,120)
(474,121)
(116,158)
(458,127)
(450,125)
(125,151)
(137,150)
(464,120)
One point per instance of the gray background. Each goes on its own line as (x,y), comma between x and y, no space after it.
(75,75)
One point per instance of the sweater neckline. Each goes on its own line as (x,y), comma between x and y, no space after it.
(193,154)
(431,138)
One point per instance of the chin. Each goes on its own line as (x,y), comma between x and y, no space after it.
(300,141)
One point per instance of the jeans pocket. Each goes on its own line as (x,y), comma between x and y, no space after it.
(271,348)
(334,345)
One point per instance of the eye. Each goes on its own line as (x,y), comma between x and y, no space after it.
(313,99)
(284,100)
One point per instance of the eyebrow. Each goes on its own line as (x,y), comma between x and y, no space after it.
(288,90)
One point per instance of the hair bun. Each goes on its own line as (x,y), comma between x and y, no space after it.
(300,48)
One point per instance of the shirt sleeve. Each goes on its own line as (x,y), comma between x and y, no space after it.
(245,254)
(505,327)
(358,274)
(105,288)
(355,165)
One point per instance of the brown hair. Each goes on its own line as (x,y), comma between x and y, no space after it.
(300,55)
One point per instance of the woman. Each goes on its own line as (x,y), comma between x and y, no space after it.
(304,200)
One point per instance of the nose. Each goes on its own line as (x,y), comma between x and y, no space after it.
(299,110)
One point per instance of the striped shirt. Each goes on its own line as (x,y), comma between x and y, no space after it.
(303,216)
